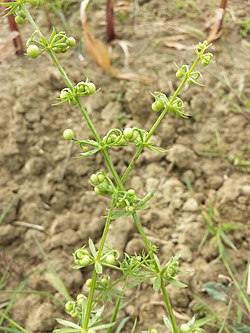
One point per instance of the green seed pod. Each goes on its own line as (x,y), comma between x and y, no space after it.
(131,192)
(85,149)
(69,306)
(68,134)
(134,136)
(128,133)
(180,73)
(33,51)
(185,328)
(204,62)
(71,42)
(157,106)
(105,280)
(190,81)
(90,88)
(19,19)
(97,191)
(74,313)
(101,178)
(88,283)
(21,13)
(84,261)
(73,101)
(121,142)
(110,259)
(80,253)
(94,179)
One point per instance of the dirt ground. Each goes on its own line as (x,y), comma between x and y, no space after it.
(54,203)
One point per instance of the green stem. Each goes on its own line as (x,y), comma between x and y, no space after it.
(94,274)
(169,307)
(159,120)
(117,307)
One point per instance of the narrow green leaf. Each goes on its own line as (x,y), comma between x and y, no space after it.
(122,324)
(98,268)
(168,324)
(228,241)
(215,290)
(68,323)
(177,283)
(102,327)
(92,248)
(202,321)
(157,283)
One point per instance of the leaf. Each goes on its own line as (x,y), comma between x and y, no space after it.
(177,283)
(215,290)
(101,327)
(118,214)
(168,324)
(122,324)
(98,268)
(228,241)
(203,321)
(54,279)
(66,330)
(191,321)
(92,248)
(68,323)
(230,226)
(157,283)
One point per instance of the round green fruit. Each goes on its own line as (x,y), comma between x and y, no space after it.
(84,261)
(128,133)
(19,19)
(157,106)
(90,88)
(34,2)
(110,259)
(94,179)
(185,328)
(68,134)
(33,51)
(71,42)
(88,283)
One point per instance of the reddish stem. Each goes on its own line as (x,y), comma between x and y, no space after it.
(18,43)
(110,20)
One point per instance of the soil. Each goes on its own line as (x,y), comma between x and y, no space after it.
(54,205)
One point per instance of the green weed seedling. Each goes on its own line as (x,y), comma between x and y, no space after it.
(88,311)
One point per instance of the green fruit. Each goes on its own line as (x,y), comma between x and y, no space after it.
(34,2)
(153,330)
(134,136)
(68,134)
(74,313)
(185,328)
(21,13)
(157,106)
(90,88)
(69,306)
(33,51)
(19,19)
(84,261)
(97,190)
(101,178)
(94,179)
(190,81)
(180,73)
(204,62)
(73,101)
(88,283)
(71,42)
(131,192)
(110,259)
(128,133)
